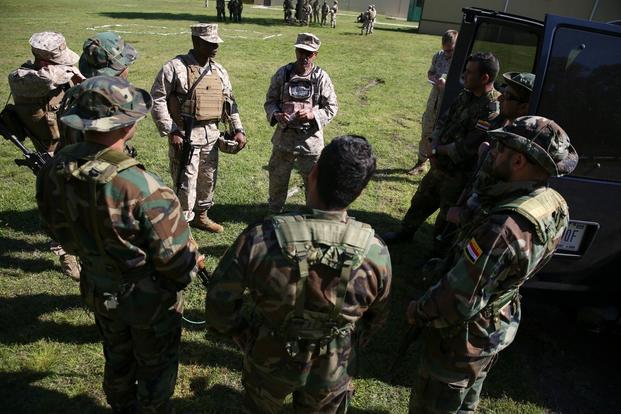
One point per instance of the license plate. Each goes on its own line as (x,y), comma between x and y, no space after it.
(572,237)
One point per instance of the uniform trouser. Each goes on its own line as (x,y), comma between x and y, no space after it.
(437,190)
(280,165)
(430,116)
(141,362)
(431,396)
(41,124)
(320,385)
(198,181)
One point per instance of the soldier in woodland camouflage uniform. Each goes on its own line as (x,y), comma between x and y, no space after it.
(440,64)
(301,101)
(474,311)
(107,54)
(210,89)
(315,5)
(136,250)
(38,89)
(455,142)
(312,277)
(220,10)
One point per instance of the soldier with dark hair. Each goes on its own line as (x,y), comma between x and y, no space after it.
(136,250)
(313,277)
(474,311)
(454,149)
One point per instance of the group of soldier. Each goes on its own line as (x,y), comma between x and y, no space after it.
(367,18)
(235,10)
(314,278)
(306,12)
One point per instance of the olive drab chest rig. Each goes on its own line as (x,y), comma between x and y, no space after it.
(88,174)
(308,241)
(300,92)
(547,212)
(204,99)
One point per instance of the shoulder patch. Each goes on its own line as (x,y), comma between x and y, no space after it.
(482,125)
(472,251)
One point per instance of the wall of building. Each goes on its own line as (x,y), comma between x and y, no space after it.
(440,15)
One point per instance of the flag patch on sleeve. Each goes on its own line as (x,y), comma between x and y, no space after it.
(483,125)
(472,251)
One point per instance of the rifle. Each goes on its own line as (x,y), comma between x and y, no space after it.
(187,150)
(410,337)
(32,159)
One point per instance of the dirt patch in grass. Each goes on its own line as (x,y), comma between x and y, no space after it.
(362,91)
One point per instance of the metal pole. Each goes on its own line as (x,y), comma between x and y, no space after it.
(506,6)
(595,4)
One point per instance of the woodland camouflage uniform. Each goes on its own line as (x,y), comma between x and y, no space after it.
(136,250)
(473,312)
(315,371)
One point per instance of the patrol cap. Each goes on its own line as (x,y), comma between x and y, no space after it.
(105,103)
(206,31)
(307,41)
(106,53)
(542,141)
(521,82)
(53,47)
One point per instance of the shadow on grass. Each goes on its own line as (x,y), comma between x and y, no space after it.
(216,352)
(204,18)
(20,321)
(398,29)
(19,394)
(397,175)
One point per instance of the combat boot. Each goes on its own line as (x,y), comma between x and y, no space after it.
(397,237)
(201,221)
(70,266)
(419,168)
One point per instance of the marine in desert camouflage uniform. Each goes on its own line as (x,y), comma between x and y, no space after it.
(136,250)
(455,142)
(206,106)
(474,311)
(38,89)
(300,101)
(311,276)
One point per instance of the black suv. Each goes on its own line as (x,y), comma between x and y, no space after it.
(578,84)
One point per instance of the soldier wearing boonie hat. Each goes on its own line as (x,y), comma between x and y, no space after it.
(300,101)
(192,94)
(135,260)
(510,237)
(106,53)
(38,88)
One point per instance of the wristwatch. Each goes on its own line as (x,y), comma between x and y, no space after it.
(434,151)
(240,130)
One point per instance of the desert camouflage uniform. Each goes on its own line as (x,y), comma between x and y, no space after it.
(293,146)
(439,66)
(137,255)
(333,11)
(199,181)
(38,91)
(463,127)
(316,373)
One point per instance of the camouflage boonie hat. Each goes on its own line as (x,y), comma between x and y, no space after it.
(307,41)
(542,141)
(106,54)
(206,31)
(105,103)
(53,47)
(521,82)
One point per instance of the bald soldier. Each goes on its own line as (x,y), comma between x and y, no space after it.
(136,250)
(192,94)
(474,311)
(300,102)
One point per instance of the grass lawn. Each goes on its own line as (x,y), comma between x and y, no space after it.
(50,354)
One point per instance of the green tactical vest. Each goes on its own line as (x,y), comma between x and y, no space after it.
(548,212)
(307,241)
(95,170)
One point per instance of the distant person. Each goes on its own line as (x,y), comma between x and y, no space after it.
(325,9)
(436,75)
(300,102)
(313,277)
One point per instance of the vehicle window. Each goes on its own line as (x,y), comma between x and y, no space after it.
(514,46)
(582,93)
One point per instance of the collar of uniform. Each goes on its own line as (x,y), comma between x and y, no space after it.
(193,60)
(501,190)
(339,215)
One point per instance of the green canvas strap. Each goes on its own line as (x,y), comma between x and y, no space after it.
(300,288)
(341,290)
